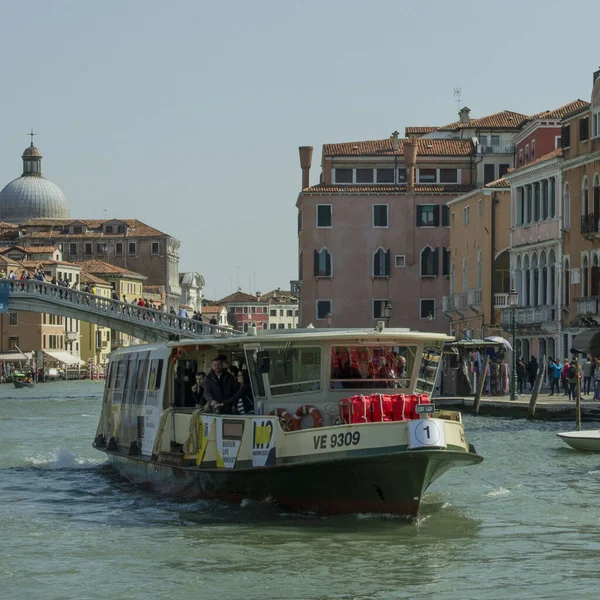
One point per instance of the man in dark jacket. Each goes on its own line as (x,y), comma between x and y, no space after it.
(219,385)
(532,369)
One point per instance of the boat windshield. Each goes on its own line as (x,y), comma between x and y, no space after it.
(430,361)
(383,366)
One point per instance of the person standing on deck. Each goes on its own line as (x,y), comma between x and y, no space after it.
(587,375)
(555,377)
(532,369)
(219,385)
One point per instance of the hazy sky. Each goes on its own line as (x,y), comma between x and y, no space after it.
(188,114)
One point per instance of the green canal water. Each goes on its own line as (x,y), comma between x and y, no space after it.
(523,524)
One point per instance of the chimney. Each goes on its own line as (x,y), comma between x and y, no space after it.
(258,296)
(463,115)
(410,160)
(305,162)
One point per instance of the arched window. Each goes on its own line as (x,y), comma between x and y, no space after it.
(465,283)
(535,282)
(552,278)
(429,262)
(544,199)
(322,266)
(566,207)
(519,277)
(520,206)
(536,201)
(585,268)
(595,273)
(526,274)
(479,270)
(543,293)
(585,197)
(552,193)
(529,211)
(566,284)
(381,263)
(596,201)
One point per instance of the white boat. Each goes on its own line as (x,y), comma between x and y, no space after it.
(304,448)
(588,441)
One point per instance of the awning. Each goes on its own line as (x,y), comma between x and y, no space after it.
(64,357)
(588,342)
(16,356)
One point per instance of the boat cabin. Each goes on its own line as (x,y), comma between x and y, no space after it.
(313,368)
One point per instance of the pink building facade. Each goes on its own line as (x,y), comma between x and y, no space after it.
(374,233)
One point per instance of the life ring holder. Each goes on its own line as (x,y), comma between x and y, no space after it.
(285,418)
(306,409)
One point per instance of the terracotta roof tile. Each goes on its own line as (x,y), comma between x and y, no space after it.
(417,131)
(505,119)
(387,189)
(212,309)
(62,225)
(425,147)
(554,154)
(563,111)
(238,296)
(96,267)
(499,183)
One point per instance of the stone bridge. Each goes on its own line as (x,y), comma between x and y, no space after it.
(144,323)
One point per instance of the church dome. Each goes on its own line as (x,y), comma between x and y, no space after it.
(31,196)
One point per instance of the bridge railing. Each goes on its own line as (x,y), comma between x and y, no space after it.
(122,310)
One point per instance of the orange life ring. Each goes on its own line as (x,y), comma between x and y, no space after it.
(284,416)
(306,409)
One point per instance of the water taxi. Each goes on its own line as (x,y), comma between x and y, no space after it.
(342,420)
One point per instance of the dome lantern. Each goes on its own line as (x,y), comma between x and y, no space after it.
(32,159)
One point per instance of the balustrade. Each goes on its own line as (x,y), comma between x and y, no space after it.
(150,318)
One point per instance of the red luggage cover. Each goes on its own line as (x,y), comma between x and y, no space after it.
(381,408)
(401,407)
(356,409)
(417,399)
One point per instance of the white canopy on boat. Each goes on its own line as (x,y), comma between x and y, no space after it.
(64,357)
(500,340)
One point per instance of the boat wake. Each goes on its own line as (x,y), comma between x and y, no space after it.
(496,492)
(62,459)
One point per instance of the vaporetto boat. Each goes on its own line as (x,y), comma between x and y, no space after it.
(306,447)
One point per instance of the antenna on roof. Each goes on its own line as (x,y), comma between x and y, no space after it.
(457,93)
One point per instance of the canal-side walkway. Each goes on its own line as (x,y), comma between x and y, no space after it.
(549,408)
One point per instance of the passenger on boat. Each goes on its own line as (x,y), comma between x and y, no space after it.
(242,402)
(198,389)
(219,385)
(233,371)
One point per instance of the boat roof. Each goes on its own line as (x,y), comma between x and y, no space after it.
(399,335)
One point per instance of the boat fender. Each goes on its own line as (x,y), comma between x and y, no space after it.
(100,441)
(112,444)
(306,409)
(284,418)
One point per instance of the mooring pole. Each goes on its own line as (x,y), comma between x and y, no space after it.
(480,384)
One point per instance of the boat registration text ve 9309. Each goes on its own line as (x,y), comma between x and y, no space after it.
(336,440)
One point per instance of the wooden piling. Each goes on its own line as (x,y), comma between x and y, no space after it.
(480,384)
(537,386)
(578,400)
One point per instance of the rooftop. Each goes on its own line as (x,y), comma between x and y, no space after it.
(238,296)
(551,155)
(52,227)
(420,188)
(97,267)
(425,147)
(506,119)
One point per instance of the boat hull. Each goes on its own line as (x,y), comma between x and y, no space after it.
(586,441)
(392,483)
(22,384)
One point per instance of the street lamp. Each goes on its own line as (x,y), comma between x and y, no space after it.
(513,301)
(387,313)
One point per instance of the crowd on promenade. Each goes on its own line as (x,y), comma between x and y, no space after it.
(563,376)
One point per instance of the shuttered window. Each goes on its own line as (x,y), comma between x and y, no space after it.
(381,263)
(429,262)
(322,263)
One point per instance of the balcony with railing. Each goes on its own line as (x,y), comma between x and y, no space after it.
(589,224)
(588,306)
(474,298)
(447,303)
(496,148)
(529,315)
(456,302)
(501,300)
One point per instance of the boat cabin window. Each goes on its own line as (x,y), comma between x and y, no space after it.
(381,366)
(294,369)
(185,378)
(256,378)
(428,368)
